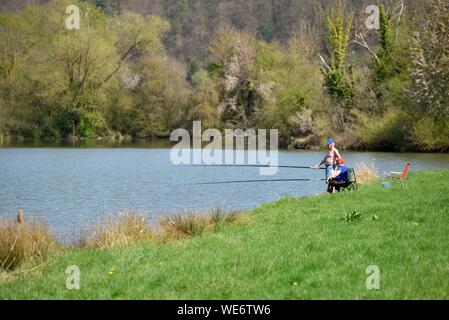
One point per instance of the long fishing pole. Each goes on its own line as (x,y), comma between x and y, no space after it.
(252,181)
(254,166)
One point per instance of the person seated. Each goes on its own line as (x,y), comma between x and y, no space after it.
(339,178)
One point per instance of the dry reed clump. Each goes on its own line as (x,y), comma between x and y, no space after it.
(366,174)
(24,243)
(118,232)
(194,224)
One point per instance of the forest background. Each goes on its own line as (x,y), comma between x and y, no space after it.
(311,68)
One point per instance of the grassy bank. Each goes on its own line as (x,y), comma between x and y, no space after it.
(292,249)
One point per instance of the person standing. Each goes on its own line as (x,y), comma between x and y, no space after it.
(330,160)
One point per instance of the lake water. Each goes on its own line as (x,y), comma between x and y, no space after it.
(72,188)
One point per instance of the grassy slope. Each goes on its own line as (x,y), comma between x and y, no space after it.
(292,241)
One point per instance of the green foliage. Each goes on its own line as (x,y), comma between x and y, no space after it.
(337,81)
(113,77)
(138,34)
(161,98)
(392,60)
(385,31)
(17,38)
(90,124)
(194,68)
(291,85)
(382,120)
(430,134)
(108,6)
(205,100)
(338,85)
(339,36)
(352,216)
(383,64)
(65,76)
(382,132)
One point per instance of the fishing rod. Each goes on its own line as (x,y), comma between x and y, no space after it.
(254,166)
(252,181)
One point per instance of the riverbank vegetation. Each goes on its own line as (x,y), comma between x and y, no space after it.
(129,228)
(32,243)
(309,248)
(366,174)
(230,65)
(22,244)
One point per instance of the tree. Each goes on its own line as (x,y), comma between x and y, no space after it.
(161,97)
(63,85)
(337,75)
(205,100)
(232,55)
(430,60)
(429,91)
(290,84)
(17,38)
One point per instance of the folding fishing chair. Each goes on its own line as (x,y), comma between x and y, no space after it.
(349,185)
(401,176)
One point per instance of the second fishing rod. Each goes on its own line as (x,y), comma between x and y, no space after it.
(255,166)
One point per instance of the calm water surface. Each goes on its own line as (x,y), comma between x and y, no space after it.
(71,189)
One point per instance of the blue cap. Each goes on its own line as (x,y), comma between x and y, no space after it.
(330,141)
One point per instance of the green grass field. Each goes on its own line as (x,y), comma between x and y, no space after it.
(291,249)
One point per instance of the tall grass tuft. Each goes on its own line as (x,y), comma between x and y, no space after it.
(195,224)
(179,226)
(119,232)
(366,174)
(220,217)
(24,243)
